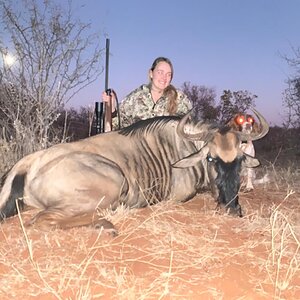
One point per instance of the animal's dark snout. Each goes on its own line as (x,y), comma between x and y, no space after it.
(233,211)
(236,211)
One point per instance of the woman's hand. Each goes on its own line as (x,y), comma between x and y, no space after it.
(110,98)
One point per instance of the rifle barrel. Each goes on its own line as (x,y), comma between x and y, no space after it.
(106,64)
(108,106)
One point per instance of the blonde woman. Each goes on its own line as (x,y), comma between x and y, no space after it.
(157,98)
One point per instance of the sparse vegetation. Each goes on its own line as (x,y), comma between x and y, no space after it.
(54,57)
(291,99)
(178,251)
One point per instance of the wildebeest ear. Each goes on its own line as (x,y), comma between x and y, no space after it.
(250,162)
(192,159)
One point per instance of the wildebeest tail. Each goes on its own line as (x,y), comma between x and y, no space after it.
(13,188)
(16,196)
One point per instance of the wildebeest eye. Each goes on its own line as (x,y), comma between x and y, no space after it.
(209,158)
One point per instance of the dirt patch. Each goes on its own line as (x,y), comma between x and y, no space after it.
(167,251)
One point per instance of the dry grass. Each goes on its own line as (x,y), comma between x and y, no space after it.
(166,251)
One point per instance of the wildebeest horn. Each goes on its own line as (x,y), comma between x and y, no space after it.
(264,129)
(199,136)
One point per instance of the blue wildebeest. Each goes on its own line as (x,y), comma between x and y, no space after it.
(150,161)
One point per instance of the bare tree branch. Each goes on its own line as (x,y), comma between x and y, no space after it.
(55,57)
(291,99)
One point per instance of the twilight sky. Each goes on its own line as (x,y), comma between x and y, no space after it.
(221,44)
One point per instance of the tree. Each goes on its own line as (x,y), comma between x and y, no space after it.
(291,98)
(203,100)
(55,57)
(235,102)
(77,123)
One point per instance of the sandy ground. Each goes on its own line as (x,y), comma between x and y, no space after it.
(167,251)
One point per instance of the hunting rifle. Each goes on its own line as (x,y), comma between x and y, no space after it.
(103,111)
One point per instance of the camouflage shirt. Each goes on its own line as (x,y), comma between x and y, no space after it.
(139,105)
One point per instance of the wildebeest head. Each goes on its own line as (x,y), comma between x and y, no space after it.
(222,156)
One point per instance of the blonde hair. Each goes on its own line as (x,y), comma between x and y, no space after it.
(170,91)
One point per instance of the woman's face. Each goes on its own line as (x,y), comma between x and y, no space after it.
(161,76)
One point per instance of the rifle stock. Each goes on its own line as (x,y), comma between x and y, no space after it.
(99,117)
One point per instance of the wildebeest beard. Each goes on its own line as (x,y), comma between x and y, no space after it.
(228,184)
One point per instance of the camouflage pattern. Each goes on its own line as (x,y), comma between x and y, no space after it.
(139,105)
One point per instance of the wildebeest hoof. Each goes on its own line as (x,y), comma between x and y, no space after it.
(106,226)
(237,211)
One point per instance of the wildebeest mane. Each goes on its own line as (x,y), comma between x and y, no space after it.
(149,125)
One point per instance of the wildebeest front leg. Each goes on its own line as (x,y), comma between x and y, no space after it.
(250,174)
(57,220)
